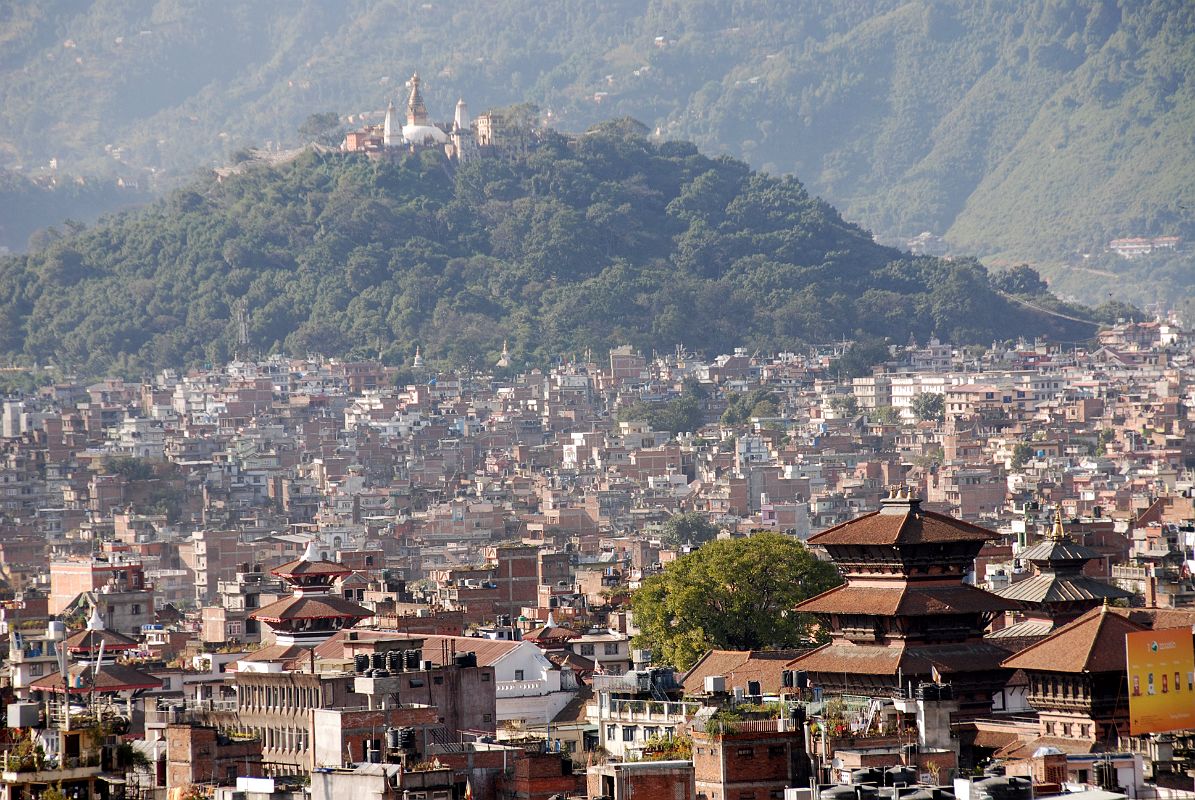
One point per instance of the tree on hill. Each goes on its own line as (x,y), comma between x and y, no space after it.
(734,594)
(583,243)
(323,128)
(929,406)
(690,527)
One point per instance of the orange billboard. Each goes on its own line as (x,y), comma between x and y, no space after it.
(1161,667)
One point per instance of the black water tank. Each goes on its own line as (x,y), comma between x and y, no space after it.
(866,792)
(377,660)
(1007,788)
(394,661)
(868,775)
(895,775)
(412,658)
(406,738)
(393,741)
(360,663)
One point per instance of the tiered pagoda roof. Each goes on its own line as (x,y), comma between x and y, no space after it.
(312,613)
(1059,583)
(905,612)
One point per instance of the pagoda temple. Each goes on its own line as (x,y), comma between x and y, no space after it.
(1058,592)
(1078,683)
(904,615)
(312,614)
(95,670)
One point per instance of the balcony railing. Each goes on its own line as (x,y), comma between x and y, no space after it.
(650,710)
(522,689)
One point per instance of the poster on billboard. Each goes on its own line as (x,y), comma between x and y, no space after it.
(1161,667)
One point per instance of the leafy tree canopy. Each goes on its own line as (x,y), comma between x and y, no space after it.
(591,242)
(929,406)
(690,527)
(734,594)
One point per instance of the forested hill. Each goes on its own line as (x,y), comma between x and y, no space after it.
(1028,128)
(587,242)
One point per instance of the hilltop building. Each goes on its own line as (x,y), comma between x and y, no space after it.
(461,139)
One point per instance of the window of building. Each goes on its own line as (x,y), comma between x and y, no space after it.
(611,648)
(586,649)
(135,609)
(610,732)
(518,674)
(776,750)
(416,682)
(746,795)
(628,733)
(745,752)
(438,680)
(487,717)
(485,677)
(35,670)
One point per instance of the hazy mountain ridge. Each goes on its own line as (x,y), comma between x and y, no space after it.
(1032,129)
(585,243)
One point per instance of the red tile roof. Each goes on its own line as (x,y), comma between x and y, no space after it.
(320,606)
(303,567)
(955,598)
(843,657)
(739,667)
(109,678)
(1092,643)
(88,640)
(902,523)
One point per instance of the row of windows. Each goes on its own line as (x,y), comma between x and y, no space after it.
(1077,729)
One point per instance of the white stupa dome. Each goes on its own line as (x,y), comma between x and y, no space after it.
(421,134)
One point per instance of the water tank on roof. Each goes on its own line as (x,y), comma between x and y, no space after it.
(895,775)
(377,660)
(394,661)
(22,715)
(869,775)
(412,659)
(1007,788)
(360,662)
(837,793)
(866,792)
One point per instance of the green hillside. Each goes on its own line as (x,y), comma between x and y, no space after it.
(585,243)
(1017,128)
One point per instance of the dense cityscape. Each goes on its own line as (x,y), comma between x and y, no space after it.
(287,576)
(636,400)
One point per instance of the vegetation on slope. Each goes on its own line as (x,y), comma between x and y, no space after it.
(585,243)
(1021,129)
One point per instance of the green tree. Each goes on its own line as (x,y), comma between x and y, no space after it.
(131,467)
(690,526)
(885,415)
(323,128)
(929,406)
(1021,453)
(861,357)
(844,405)
(1021,279)
(734,594)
